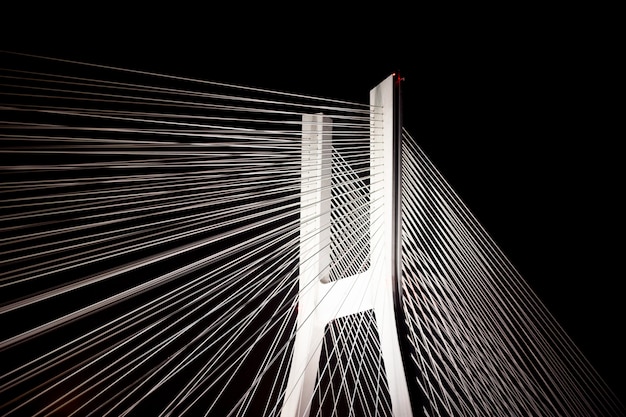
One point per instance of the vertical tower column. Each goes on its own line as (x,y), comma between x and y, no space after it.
(315,197)
(384,226)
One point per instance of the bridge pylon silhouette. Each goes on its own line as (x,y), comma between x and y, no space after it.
(322,300)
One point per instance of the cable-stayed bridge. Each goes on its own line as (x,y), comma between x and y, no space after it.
(176,246)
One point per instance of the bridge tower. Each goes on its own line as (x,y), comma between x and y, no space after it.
(322,300)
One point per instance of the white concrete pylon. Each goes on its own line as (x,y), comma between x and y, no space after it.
(321,301)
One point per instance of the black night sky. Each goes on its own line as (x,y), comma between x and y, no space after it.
(518,114)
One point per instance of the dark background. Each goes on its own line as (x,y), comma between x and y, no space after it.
(517,108)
